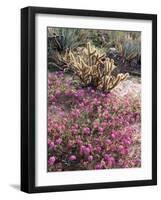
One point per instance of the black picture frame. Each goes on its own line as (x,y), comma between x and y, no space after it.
(28,98)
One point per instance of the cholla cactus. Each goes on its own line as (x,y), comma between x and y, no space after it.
(93,68)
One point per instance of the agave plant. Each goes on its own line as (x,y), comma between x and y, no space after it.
(67,38)
(129,49)
(93,68)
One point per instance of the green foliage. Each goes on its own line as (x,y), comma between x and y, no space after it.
(69,38)
(94,36)
(123,46)
(129,49)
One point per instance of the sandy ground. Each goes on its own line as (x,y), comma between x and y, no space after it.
(132,87)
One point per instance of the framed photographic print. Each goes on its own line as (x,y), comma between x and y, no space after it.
(88,99)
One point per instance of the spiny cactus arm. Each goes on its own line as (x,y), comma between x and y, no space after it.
(72,57)
(117,80)
(106,82)
(81,77)
(107,69)
(124,76)
(113,66)
(109,66)
(94,59)
(67,57)
(91,51)
(87,73)
(71,62)
(99,58)
(95,75)
(79,66)
(79,59)
(85,77)
(92,55)
(76,66)
(84,65)
(76,62)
